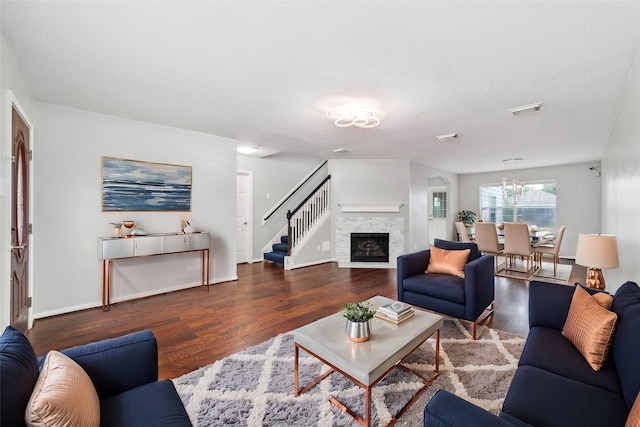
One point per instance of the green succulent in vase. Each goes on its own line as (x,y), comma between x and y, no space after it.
(359,311)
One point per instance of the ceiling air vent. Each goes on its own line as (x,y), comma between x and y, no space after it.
(526,109)
(447,137)
(341,150)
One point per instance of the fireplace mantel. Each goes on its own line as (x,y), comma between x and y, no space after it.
(370,207)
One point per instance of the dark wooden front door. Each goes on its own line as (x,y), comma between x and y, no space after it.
(19,222)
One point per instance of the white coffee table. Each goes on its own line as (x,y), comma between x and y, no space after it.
(366,363)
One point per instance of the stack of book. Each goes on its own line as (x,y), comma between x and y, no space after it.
(395,312)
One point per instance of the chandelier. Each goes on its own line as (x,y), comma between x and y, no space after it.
(518,189)
(360,117)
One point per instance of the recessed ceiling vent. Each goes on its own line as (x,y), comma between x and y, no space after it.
(447,137)
(341,150)
(526,109)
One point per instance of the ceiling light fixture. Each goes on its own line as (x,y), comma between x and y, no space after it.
(341,150)
(526,109)
(447,137)
(513,161)
(514,189)
(248,150)
(348,116)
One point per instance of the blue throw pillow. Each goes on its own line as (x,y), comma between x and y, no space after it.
(457,246)
(18,375)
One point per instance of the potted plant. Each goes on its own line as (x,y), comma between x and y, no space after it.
(358,315)
(117,229)
(467,217)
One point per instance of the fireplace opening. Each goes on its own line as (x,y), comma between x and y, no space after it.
(369,247)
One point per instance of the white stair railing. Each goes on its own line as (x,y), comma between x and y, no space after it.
(306,215)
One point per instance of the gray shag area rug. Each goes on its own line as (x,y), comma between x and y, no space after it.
(255,387)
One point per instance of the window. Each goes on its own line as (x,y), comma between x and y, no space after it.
(439,203)
(535,203)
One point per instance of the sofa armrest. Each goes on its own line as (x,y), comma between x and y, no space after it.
(479,285)
(410,265)
(118,364)
(549,304)
(448,410)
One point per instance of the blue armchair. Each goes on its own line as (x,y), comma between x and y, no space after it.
(464,298)
(123,370)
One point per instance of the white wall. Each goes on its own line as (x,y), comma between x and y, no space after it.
(577,202)
(275,176)
(68,218)
(621,185)
(368,181)
(14,87)
(419,238)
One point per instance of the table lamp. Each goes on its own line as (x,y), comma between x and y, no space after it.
(597,251)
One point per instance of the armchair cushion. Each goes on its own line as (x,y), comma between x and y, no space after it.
(156,403)
(542,398)
(118,364)
(437,285)
(626,344)
(18,376)
(446,409)
(546,349)
(447,261)
(63,395)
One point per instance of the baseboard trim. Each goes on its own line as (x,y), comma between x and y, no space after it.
(95,304)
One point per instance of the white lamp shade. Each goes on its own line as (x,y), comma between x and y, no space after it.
(597,251)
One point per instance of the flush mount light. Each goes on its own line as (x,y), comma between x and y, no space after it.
(248,150)
(353,116)
(526,109)
(447,137)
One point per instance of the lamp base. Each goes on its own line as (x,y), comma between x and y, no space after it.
(595,279)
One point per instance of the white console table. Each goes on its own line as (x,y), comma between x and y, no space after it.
(113,248)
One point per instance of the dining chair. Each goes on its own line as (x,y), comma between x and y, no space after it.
(487,240)
(551,248)
(463,236)
(517,243)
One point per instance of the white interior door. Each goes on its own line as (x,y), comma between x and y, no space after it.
(243,218)
(438,205)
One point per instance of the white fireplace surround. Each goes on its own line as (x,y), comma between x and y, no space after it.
(346,226)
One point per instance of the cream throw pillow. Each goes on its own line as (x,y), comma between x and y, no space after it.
(589,327)
(63,395)
(448,262)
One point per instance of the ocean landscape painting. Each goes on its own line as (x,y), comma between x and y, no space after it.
(131,185)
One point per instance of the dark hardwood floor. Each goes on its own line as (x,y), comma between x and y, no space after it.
(195,328)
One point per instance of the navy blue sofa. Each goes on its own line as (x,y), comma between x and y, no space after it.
(123,370)
(554,385)
(465,299)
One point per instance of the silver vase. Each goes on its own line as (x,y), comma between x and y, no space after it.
(358,331)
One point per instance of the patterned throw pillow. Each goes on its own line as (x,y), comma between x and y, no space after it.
(633,420)
(447,262)
(603,299)
(64,395)
(589,326)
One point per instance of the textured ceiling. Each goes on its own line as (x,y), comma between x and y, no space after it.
(265,72)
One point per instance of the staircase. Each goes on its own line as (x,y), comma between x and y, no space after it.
(300,223)
(280,250)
